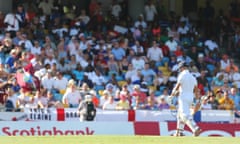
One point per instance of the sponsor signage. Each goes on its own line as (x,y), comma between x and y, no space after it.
(43,128)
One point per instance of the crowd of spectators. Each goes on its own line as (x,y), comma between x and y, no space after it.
(52,57)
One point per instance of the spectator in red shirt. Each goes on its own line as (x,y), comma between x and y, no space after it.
(142,97)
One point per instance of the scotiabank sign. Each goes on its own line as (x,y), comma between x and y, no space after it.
(53,128)
(37,131)
(111,128)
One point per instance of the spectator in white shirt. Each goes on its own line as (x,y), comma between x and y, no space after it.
(211,44)
(72,96)
(138,62)
(97,78)
(40,99)
(172,44)
(84,17)
(116,9)
(36,49)
(141,22)
(150,11)
(47,81)
(25,42)
(50,59)
(155,53)
(110,104)
(138,49)
(60,82)
(12,20)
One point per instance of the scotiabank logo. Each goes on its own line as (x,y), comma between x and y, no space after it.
(210,129)
(37,131)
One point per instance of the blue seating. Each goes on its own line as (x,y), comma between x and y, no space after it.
(57,96)
(211,68)
(67,76)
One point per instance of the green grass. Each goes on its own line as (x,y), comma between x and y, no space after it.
(116,140)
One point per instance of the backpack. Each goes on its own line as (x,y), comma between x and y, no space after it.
(91,111)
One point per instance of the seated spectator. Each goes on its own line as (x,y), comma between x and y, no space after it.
(110,104)
(84,90)
(224,62)
(205,104)
(47,81)
(11,100)
(86,80)
(218,82)
(104,97)
(111,89)
(40,99)
(172,44)
(72,96)
(138,48)
(231,66)
(140,96)
(212,100)
(234,95)
(163,104)
(112,65)
(60,82)
(51,102)
(23,99)
(98,78)
(148,74)
(138,62)
(160,80)
(123,103)
(225,103)
(62,66)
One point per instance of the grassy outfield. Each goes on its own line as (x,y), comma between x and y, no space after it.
(117,140)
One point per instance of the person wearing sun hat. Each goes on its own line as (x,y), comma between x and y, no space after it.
(72,96)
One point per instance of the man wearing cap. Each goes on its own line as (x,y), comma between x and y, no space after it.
(186,88)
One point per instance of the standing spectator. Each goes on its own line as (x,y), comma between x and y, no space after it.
(116,9)
(93,6)
(46,7)
(150,11)
(12,20)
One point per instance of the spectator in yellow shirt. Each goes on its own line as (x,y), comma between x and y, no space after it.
(225,103)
